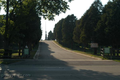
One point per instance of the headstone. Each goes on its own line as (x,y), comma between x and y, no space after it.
(94,45)
(107,50)
(26,51)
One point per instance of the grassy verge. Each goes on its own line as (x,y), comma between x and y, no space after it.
(15,56)
(82,52)
(8,61)
(33,51)
(89,53)
(117,60)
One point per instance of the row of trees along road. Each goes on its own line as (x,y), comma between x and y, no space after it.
(99,24)
(63,30)
(22,24)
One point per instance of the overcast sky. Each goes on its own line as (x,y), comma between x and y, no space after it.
(77,7)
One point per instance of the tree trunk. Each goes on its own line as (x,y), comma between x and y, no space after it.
(117,52)
(19,48)
(95,51)
(6,32)
(113,52)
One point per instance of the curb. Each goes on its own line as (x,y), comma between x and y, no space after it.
(37,53)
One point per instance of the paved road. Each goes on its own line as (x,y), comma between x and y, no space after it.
(55,63)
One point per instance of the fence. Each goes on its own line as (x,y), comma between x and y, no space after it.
(110,52)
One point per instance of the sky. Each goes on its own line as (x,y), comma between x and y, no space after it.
(77,7)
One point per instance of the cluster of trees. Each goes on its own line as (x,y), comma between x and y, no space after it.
(85,30)
(99,24)
(22,24)
(108,27)
(63,30)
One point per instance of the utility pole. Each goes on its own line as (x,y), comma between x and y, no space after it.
(45,31)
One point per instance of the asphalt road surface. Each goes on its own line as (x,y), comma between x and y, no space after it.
(52,62)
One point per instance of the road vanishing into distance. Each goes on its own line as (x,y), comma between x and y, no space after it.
(52,62)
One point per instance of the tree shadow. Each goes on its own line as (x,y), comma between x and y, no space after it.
(47,51)
(47,67)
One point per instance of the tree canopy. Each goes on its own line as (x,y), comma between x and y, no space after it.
(46,8)
(58,31)
(109,25)
(87,24)
(63,30)
(67,29)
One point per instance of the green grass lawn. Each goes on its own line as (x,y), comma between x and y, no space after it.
(8,61)
(1,50)
(15,56)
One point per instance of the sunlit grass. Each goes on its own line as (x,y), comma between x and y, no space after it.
(8,61)
(16,54)
(1,61)
(13,54)
(1,50)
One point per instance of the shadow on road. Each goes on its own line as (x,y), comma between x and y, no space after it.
(45,51)
(46,70)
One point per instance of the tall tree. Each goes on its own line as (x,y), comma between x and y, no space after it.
(89,22)
(109,23)
(2,17)
(67,30)
(58,31)
(77,32)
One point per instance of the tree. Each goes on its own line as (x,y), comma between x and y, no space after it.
(109,23)
(46,8)
(58,31)
(89,22)
(19,10)
(30,32)
(85,30)
(50,36)
(102,39)
(77,32)
(1,30)
(15,31)
(67,30)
